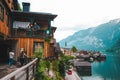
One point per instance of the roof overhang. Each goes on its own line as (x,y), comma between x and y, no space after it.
(54,28)
(34,15)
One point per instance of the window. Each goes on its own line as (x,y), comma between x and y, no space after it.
(1,13)
(38,47)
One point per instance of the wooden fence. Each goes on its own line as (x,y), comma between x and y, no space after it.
(24,73)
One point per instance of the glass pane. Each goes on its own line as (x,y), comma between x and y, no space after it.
(38,47)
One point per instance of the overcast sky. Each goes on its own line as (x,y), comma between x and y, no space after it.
(74,15)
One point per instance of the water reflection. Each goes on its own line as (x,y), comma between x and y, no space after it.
(108,70)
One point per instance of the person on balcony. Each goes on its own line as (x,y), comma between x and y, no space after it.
(30,26)
(36,26)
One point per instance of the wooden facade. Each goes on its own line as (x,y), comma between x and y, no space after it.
(17,30)
(5,24)
(28,45)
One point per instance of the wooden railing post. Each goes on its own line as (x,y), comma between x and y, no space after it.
(37,64)
(27,73)
(13,78)
(34,69)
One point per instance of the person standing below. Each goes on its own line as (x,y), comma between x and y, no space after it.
(22,57)
(11,58)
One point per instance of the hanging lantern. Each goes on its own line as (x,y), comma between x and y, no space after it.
(47,32)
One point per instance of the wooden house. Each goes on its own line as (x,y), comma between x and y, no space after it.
(31,31)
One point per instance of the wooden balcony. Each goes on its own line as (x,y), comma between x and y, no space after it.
(17,32)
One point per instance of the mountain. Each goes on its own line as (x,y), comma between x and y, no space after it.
(115,47)
(100,37)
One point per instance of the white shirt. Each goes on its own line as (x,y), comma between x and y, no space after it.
(11,54)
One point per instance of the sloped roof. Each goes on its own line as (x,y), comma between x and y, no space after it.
(34,14)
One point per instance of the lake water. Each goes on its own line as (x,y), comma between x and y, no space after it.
(107,70)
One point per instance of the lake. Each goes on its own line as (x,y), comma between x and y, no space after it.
(107,70)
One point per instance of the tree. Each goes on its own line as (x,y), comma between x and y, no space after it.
(19,8)
(74,49)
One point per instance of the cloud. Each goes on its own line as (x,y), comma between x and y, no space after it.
(76,27)
(59,35)
(74,15)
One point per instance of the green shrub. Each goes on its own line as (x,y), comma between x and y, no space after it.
(57,75)
(47,64)
(41,75)
(42,65)
(67,58)
(55,64)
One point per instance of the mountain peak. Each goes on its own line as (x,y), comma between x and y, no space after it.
(115,20)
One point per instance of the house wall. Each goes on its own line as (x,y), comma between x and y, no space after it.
(52,50)
(28,45)
(5,23)
(3,28)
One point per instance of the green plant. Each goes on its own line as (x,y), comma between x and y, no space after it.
(38,54)
(47,64)
(61,67)
(57,75)
(47,40)
(66,58)
(55,64)
(41,75)
(19,8)
(42,66)
(74,49)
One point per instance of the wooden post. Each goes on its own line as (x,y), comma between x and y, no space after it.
(34,69)
(37,64)
(13,78)
(27,73)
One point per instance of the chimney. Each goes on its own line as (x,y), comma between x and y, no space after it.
(26,7)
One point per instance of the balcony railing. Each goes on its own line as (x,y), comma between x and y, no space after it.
(26,72)
(20,32)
